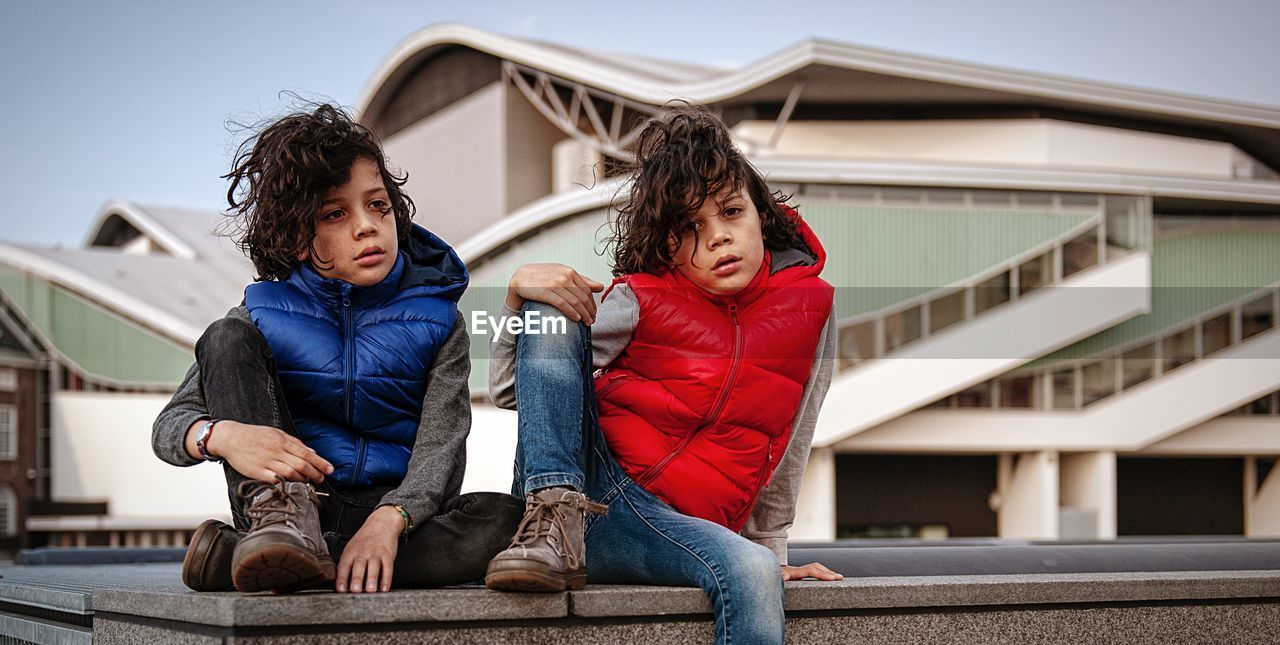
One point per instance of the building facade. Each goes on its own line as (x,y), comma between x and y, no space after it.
(1057,299)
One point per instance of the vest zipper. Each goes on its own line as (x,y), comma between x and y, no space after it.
(707,421)
(349,347)
(760,483)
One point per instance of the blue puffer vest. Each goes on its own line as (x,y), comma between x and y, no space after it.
(353,361)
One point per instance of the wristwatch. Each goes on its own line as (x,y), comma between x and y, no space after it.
(202,440)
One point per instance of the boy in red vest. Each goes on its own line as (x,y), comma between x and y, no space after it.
(663,441)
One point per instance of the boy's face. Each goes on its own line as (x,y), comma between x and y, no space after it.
(723,246)
(356,229)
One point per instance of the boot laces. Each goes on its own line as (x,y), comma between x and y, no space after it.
(546,518)
(269,504)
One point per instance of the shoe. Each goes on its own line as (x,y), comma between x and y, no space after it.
(548,553)
(207,565)
(283,550)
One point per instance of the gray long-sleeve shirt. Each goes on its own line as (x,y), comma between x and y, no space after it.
(616,320)
(439,455)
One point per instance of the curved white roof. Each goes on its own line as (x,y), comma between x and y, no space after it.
(656,82)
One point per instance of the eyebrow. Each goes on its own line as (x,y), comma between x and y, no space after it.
(367,193)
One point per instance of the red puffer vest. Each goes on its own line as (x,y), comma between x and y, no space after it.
(698,407)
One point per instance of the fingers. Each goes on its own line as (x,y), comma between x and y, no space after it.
(387,570)
(815,570)
(295,447)
(359,564)
(373,567)
(344,572)
(578,304)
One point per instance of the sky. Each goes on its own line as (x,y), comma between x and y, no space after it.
(132,99)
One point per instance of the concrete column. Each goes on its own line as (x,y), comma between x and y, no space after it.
(1026,501)
(816,508)
(1261,501)
(1087,490)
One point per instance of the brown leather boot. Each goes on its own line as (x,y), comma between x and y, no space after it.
(207,565)
(548,552)
(283,550)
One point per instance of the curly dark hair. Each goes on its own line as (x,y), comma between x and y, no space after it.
(281,175)
(685,156)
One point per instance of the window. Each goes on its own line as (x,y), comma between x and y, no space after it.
(1035,273)
(1216,334)
(901,328)
(8,379)
(1256,317)
(993,291)
(8,512)
(978,396)
(857,343)
(1179,349)
(1138,365)
(8,432)
(1080,253)
(1064,389)
(946,311)
(1019,392)
(1099,380)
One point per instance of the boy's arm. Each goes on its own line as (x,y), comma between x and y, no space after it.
(439,455)
(775,508)
(169,432)
(616,319)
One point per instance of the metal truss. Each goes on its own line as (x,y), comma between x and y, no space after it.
(582,118)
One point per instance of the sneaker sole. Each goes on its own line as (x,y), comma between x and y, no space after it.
(281,568)
(532,576)
(195,564)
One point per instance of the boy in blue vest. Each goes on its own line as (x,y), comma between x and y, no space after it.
(336,397)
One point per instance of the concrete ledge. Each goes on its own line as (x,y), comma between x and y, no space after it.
(609,601)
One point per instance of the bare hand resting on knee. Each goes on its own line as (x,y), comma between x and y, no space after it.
(557,285)
(262,452)
(811,570)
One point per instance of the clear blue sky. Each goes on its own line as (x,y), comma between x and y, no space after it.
(130,99)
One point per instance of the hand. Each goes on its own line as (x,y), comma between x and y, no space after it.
(368,562)
(557,285)
(811,570)
(262,452)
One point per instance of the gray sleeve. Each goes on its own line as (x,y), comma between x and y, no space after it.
(439,456)
(775,508)
(616,319)
(169,432)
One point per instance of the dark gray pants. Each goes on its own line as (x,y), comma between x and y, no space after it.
(238,376)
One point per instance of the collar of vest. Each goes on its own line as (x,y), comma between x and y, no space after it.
(425,266)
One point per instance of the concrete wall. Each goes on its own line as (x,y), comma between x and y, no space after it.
(101,450)
(1040,142)
(456,160)
(530,139)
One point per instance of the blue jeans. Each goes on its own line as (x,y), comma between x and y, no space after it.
(641,539)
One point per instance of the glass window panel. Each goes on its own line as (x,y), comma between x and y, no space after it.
(857,343)
(1256,317)
(1064,389)
(1099,380)
(1215,334)
(1019,392)
(1035,273)
(901,328)
(978,396)
(946,311)
(1080,253)
(1263,405)
(1138,365)
(1179,349)
(991,292)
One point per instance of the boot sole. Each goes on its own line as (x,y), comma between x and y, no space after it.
(195,564)
(282,568)
(517,575)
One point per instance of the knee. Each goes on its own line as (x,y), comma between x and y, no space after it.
(756,567)
(554,335)
(230,335)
